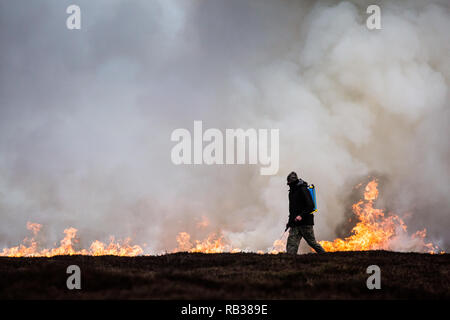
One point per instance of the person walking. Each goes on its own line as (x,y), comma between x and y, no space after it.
(301,220)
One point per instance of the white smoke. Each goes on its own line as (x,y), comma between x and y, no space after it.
(86,117)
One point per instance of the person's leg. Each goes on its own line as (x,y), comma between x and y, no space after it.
(293,240)
(308,233)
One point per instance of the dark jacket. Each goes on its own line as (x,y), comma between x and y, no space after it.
(300,204)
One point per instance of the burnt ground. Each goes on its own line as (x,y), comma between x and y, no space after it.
(229,276)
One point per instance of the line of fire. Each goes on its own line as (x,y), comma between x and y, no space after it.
(374,230)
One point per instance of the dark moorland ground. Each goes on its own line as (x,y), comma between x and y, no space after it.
(229,276)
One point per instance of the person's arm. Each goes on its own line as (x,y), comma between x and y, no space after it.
(291,218)
(293,211)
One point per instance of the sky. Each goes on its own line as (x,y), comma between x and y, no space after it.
(86,115)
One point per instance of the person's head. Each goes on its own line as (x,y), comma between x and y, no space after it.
(292,177)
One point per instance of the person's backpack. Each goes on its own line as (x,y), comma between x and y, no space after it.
(312,193)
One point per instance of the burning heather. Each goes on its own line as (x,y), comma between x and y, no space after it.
(376,231)
(212,244)
(373,231)
(30,247)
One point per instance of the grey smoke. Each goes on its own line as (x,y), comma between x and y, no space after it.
(86,116)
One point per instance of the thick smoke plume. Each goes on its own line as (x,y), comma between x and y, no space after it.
(86,116)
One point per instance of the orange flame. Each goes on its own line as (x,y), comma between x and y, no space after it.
(35,227)
(278,246)
(66,247)
(214,243)
(375,231)
(211,244)
(203,223)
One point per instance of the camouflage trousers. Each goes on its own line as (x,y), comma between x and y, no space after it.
(295,235)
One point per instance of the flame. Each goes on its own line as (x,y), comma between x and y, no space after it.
(213,243)
(203,223)
(278,246)
(35,227)
(375,231)
(29,247)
